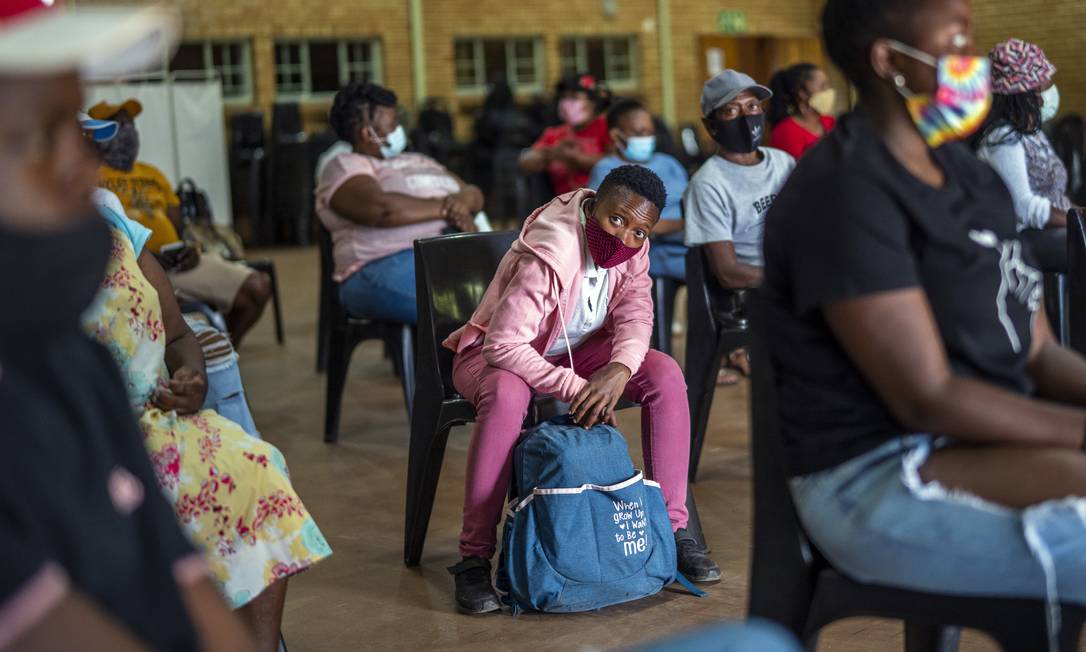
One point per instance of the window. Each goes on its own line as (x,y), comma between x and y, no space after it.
(230,59)
(610,58)
(480,61)
(317,69)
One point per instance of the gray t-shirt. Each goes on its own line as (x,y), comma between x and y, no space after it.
(728,202)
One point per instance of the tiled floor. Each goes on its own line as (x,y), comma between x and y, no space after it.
(363,598)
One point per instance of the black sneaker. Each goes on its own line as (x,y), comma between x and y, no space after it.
(474,592)
(693,562)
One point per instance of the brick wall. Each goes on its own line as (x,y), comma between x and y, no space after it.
(1059,26)
(445,20)
(1056,24)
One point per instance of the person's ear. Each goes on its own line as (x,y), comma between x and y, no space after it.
(616,136)
(882,62)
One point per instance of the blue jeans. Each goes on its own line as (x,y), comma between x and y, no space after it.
(876,521)
(384,289)
(752,636)
(668,260)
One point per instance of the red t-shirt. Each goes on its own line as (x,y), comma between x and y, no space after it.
(592,139)
(793,138)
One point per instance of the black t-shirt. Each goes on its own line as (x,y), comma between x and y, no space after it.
(853,221)
(80,508)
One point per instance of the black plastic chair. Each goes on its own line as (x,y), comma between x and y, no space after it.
(664,291)
(792,584)
(1076,286)
(452,273)
(268,267)
(338,334)
(715,327)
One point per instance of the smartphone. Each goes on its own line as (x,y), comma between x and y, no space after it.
(168,254)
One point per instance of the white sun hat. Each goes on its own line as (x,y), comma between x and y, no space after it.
(44,37)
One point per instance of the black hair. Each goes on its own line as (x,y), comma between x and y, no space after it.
(850,27)
(354,100)
(786,85)
(638,180)
(598,91)
(620,110)
(1021,112)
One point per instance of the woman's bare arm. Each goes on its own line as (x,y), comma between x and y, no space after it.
(362,201)
(893,339)
(1058,373)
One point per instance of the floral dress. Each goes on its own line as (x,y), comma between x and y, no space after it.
(230,491)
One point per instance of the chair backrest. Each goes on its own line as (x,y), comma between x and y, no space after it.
(783,564)
(1076,280)
(706,299)
(328,288)
(452,273)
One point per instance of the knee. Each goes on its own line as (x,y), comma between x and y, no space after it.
(501,391)
(256,290)
(662,372)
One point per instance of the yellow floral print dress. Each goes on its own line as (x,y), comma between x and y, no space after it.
(230,491)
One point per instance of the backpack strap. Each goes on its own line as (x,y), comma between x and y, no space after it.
(689,586)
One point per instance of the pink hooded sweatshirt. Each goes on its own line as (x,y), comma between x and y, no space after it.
(519,317)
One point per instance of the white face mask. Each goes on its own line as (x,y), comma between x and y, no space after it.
(1051,99)
(397,143)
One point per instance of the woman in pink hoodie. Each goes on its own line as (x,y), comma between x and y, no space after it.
(569,313)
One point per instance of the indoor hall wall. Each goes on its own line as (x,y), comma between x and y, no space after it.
(1058,26)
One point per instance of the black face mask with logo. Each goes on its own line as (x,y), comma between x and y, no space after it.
(120,153)
(740,135)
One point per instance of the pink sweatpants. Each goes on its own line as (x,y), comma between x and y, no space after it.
(501,400)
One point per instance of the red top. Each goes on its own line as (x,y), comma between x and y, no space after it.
(592,139)
(794,138)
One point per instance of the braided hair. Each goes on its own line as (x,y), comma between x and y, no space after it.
(850,27)
(1021,112)
(352,102)
(786,85)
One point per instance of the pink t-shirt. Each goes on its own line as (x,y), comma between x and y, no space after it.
(354,245)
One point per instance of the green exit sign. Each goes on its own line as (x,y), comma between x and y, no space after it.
(732,21)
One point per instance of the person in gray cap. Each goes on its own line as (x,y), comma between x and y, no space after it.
(727,199)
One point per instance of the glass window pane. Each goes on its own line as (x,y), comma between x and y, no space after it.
(323,67)
(620,60)
(567,55)
(190,56)
(494,61)
(594,58)
(288,73)
(464,57)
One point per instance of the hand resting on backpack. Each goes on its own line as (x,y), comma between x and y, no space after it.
(595,404)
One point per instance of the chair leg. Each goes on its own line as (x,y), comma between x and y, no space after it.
(702,366)
(276,305)
(661,331)
(339,360)
(324,319)
(931,638)
(427,451)
(407,366)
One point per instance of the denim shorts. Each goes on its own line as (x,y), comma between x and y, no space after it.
(878,522)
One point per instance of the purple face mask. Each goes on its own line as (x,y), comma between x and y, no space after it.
(607,250)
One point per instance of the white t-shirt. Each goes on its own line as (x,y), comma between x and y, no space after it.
(590,309)
(727,202)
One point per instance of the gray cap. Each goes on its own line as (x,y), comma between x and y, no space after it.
(726,86)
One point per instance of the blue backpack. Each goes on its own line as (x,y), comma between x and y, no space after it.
(587,530)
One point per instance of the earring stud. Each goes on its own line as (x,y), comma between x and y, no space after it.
(899,80)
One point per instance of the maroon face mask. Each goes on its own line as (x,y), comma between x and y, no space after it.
(607,250)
